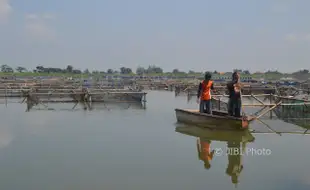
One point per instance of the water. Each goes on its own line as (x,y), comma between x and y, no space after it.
(135,149)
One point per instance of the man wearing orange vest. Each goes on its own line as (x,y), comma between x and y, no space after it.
(204,93)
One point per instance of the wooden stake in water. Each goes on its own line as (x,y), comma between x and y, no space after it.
(6,96)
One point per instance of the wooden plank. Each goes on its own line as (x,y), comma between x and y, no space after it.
(283,104)
(78,93)
(256,95)
(192,110)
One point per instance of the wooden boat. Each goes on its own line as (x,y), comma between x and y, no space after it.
(216,135)
(216,120)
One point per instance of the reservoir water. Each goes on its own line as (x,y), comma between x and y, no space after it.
(124,147)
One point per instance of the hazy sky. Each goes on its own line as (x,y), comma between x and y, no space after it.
(186,34)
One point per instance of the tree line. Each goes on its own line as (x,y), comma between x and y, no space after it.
(152,69)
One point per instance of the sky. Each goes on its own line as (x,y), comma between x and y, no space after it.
(200,35)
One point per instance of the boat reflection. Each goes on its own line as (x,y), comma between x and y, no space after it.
(235,141)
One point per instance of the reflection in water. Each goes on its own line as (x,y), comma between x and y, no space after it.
(297,114)
(89,106)
(235,142)
(6,136)
(122,105)
(235,165)
(189,98)
(203,149)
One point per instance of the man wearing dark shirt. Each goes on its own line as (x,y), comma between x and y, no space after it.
(234,102)
(204,94)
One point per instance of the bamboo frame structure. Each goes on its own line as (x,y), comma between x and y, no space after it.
(275,104)
(38,94)
(254,89)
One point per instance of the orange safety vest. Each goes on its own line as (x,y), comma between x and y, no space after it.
(206,90)
(205,151)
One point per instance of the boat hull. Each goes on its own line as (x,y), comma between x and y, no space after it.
(216,135)
(218,121)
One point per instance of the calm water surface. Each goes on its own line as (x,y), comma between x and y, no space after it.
(136,149)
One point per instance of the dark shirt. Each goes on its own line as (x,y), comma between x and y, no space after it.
(200,89)
(231,90)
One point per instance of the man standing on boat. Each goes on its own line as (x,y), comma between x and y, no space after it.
(234,102)
(204,94)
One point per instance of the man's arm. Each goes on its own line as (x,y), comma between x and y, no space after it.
(212,86)
(230,86)
(199,90)
(212,154)
(213,89)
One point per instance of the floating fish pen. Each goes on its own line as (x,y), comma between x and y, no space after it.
(83,96)
(192,91)
(35,92)
(252,89)
(297,113)
(54,92)
(153,85)
(69,85)
(71,95)
(60,89)
(293,110)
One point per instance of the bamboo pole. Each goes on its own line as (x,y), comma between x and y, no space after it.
(260,110)
(297,133)
(257,95)
(284,104)
(69,89)
(288,98)
(265,124)
(6,97)
(92,93)
(257,99)
(262,114)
